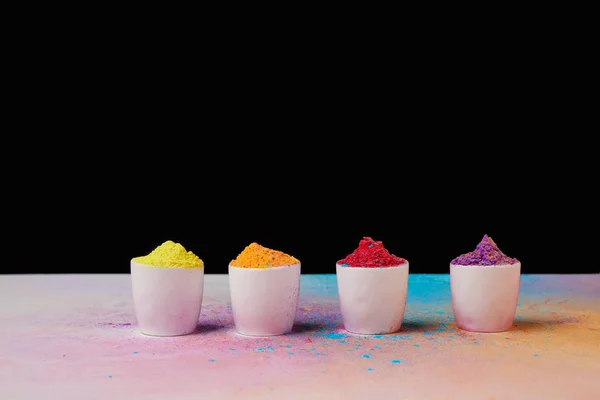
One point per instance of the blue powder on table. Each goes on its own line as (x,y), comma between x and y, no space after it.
(486,253)
(335,336)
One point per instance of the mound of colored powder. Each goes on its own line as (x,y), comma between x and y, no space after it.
(170,255)
(257,256)
(371,254)
(486,253)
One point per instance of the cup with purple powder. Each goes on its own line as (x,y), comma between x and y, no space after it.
(485,288)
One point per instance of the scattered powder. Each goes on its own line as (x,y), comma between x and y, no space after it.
(371,254)
(170,255)
(486,253)
(257,256)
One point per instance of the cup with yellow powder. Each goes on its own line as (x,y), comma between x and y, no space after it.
(264,286)
(167,286)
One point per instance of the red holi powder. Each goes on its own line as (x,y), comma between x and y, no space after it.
(371,254)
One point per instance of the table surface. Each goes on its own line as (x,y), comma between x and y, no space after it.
(76,337)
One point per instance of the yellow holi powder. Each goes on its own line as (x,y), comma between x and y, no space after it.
(257,256)
(170,255)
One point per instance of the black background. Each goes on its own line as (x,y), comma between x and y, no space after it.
(129,152)
(427,197)
(304,146)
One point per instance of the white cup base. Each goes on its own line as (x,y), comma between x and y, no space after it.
(484,298)
(264,300)
(372,300)
(167,301)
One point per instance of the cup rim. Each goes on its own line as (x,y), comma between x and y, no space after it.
(133,263)
(266,269)
(491,266)
(404,264)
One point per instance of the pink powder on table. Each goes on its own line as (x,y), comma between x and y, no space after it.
(370,254)
(486,253)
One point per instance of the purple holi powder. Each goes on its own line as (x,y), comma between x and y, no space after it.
(486,253)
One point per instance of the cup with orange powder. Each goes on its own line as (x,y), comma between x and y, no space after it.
(264,286)
(167,286)
(372,288)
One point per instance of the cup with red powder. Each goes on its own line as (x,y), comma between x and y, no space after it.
(264,285)
(485,288)
(372,288)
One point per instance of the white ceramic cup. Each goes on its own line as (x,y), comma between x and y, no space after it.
(484,297)
(167,301)
(264,301)
(372,300)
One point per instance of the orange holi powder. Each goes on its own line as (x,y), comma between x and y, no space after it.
(257,256)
